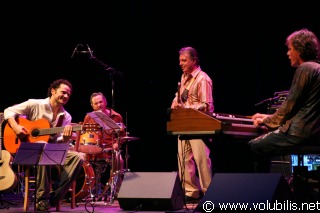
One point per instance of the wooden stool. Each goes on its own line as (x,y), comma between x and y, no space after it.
(29,180)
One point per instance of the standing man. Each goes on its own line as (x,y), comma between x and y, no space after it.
(51,109)
(193,155)
(297,121)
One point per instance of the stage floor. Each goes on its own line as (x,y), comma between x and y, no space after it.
(95,207)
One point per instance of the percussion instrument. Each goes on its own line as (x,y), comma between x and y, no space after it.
(90,141)
(85,181)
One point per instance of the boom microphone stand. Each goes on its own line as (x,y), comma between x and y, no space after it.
(80,49)
(111,70)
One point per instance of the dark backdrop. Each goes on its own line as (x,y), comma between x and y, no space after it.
(240,46)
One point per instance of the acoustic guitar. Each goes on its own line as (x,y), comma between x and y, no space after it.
(8,179)
(39,130)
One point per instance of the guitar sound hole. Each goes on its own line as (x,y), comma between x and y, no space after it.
(35,132)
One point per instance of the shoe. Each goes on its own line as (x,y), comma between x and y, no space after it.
(201,195)
(189,200)
(52,200)
(43,205)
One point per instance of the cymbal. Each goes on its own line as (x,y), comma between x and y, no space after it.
(129,138)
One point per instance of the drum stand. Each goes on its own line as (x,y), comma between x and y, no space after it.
(99,169)
(115,178)
(113,181)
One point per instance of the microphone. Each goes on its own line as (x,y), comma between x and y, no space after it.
(76,51)
(83,52)
(269,100)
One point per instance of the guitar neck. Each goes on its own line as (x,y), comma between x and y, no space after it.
(55,130)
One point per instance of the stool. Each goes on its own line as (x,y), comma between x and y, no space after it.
(301,175)
(29,180)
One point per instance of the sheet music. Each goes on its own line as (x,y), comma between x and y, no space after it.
(103,120)
(54,154)
(28,153)
(41,153)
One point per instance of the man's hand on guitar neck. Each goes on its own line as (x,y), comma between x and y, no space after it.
(67,133)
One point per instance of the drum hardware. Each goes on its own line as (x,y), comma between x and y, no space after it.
(98,188)
(114,182)
(88,180)
(116,173)
(92,188)
(127,139)
(112,187)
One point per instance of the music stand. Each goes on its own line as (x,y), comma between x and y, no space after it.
(40,153)
(103,120)
(29,154)
(54,154)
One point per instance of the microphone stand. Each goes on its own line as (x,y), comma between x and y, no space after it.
(112,73)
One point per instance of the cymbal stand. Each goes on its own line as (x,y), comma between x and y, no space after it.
(115,173)
(127,156)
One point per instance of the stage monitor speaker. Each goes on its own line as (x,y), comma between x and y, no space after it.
(159,191)
(255,190)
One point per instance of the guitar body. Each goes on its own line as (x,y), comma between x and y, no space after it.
(8,179)
(12,142)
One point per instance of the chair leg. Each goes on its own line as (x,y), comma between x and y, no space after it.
(73,195)
(58,207)
(26,189)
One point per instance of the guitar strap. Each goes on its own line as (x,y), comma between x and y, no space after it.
(59,123)
(190,83)
(184,95)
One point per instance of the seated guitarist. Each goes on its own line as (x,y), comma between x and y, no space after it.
(51,109)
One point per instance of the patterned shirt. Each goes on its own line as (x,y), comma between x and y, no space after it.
(200,91)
